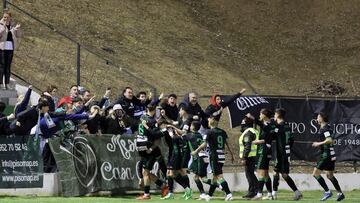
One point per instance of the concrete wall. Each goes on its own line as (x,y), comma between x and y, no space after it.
(237,182)
(10,96)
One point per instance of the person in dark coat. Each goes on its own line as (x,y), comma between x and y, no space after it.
(217,104)
(128,103)
(27,119)
(194,109)
(5,125)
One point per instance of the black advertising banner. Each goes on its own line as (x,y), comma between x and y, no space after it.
(344,116)
(90,163)
(21,163)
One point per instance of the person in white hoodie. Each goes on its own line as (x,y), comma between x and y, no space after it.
(9,35)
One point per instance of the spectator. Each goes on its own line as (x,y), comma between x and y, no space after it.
(77,105)
(5,124)
(86,96)
(74,91)
(50,100)
(94,123)
(9,35)
(113,124)
(65,105)
(51,91)
(89,99)
(140,108)
(145,102)
(128,103)
(61,107)
(217,104)
(105,102)
(193,108)
(27,119)
(171,109)
(49,125)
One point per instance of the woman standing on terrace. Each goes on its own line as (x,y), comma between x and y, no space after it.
(9,34)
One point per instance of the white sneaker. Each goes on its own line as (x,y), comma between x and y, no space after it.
(274,195)
(257,197)
(228,197)
(203,196)
(269,197)
(207,198)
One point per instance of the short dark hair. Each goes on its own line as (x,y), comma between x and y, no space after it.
(46,97)
(42,103)
(172,95)
(247,122)
(73,86)
(324,116)
(140,93)
(267,112)
(196,125)
(281,112)
(87,91)
(127,88)
(2,106)
(184,107)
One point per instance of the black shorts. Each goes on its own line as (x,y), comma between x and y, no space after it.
(216,167)
(174,162)
(263,162)
(282,166)
(199,167)
(326,164)
(149,160)
(185,160)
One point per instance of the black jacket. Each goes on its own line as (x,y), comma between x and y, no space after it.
(94,124)
(193,110)
(128,105)
(112,126)
(5,126)
(172,112)
(212,109)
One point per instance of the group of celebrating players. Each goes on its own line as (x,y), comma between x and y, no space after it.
(194,142)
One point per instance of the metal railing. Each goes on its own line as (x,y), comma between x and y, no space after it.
(54,57)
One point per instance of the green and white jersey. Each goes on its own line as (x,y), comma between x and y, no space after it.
(216,138)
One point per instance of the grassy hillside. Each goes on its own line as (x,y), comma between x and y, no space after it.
(281,47)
